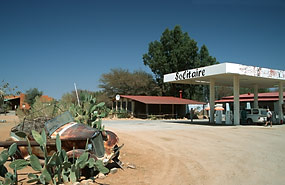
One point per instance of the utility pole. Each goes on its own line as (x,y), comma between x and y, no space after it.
(76,94)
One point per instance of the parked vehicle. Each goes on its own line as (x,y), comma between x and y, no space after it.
(254,115)
(75,137)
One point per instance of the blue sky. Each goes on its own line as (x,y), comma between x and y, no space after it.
(50,45)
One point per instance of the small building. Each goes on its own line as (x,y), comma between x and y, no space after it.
(14,101)
(159,106)
(19,101)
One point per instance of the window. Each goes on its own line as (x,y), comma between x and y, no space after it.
(255,111)
(248,111)
(264,112)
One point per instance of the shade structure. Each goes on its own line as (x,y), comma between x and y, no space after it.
(216,108)
(233,75)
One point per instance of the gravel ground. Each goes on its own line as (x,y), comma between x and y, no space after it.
(178,152)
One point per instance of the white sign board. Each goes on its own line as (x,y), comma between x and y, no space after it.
(224,68)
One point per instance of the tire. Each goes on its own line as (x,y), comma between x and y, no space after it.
(249,121)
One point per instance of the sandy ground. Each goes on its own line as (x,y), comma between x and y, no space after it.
(173,152)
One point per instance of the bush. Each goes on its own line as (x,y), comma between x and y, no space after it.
(123,114)
(120,114)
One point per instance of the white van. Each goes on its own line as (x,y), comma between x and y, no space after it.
(251,116)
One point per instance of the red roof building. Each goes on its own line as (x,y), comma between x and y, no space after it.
(162,106)
(265,100)
(19,101)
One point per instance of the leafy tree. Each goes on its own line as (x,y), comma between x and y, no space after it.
(251,90)
(44,109)
(6,89)
(102,97)
(223,91)
(68,99)
(121,81)
(201,92)
(176,51)
(204,57)
(31,95)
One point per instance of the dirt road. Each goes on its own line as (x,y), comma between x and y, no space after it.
(181,153)
(167,152)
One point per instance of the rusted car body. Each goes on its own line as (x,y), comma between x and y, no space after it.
(76,138)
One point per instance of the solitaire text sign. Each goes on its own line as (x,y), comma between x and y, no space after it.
(187,74)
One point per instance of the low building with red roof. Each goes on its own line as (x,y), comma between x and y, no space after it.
(19,101)
(161,106)
(265,100)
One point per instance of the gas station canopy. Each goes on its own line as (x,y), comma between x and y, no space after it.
(230,74)
(223,75)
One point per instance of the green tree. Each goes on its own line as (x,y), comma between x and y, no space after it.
(222,91)
(31,95)
(201,92)
(121,81)
(251,90)
(176,51)
(44,109)
(70,98)
(204,57)
(102,97)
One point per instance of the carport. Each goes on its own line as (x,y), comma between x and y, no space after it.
(236,76)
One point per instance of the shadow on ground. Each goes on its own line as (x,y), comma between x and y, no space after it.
(206,122)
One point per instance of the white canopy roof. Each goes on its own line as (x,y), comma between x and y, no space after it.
(223,75)
(236,75)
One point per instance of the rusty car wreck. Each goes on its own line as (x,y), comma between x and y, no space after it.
(76,138)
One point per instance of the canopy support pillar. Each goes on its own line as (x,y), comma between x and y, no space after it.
(255,103)
(212,99)
(236,100)
(280,102)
